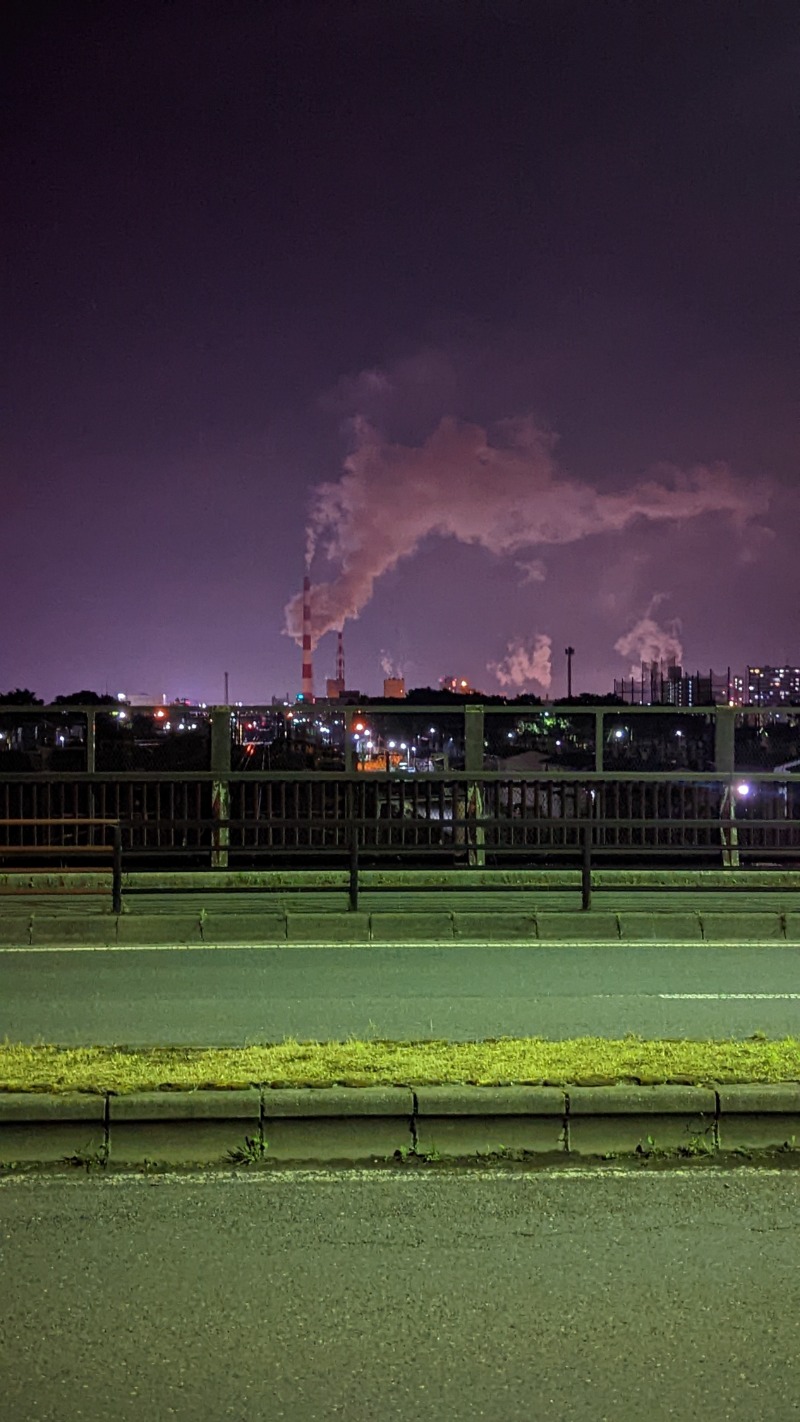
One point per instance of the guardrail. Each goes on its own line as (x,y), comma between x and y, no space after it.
(41,740)
(88,850)
(466,839)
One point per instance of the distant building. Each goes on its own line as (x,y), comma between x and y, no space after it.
(394,688)
(458,685)
(773,686)
(666,684)
(334,688)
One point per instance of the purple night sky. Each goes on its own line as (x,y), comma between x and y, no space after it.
(493,306)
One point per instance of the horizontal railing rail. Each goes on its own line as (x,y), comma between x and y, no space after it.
(89,849)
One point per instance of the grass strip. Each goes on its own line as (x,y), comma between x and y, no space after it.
(500,1062)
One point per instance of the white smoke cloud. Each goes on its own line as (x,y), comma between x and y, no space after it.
(525,662)
(506,494)
(535,571)
(390,667)
(649,641)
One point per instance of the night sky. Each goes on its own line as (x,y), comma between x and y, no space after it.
(492,306)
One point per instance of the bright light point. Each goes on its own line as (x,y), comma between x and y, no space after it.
(392,745)
(121,696)
(743,789)
(121,715)
(618,735)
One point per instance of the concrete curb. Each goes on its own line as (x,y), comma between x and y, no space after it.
(275,928)
(263,1124)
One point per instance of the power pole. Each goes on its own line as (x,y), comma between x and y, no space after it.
(569,653)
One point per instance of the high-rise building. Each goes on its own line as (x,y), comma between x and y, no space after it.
(773,686)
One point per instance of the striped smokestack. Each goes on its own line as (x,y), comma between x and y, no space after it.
(340,659)
(308,670)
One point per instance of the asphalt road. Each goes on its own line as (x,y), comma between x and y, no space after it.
(586,1297)
(231,996)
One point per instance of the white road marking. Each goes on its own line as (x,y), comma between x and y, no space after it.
(521,943)
(729,996)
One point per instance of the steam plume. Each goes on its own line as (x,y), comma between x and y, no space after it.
(648,641)
(525,662)
(389,666)
(508,495)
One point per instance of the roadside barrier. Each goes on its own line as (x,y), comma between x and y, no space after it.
(350,1125)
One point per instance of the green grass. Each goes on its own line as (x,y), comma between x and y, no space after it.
(506,1061)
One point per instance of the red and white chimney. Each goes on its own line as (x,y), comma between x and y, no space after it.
(308,670)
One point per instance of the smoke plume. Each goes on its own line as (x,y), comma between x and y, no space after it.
(648,641)
(506,494)
(534,570)
(525,662)
(390,667)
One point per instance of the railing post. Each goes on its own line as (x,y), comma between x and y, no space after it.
(725,764)
(725,740)
(91,741)
(349,758)
(220,789)
(598,741)
(586,868)
(116,874)
(352,829)
(473,799)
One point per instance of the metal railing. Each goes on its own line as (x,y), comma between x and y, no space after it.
(242,815)
(48,740)
(468,836)
(30,846)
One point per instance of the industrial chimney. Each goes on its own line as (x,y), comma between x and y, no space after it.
(308,670)
(336,684)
